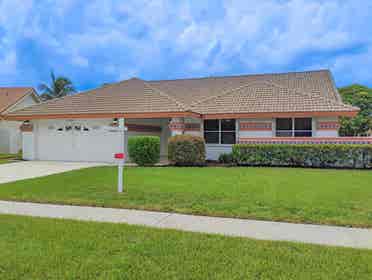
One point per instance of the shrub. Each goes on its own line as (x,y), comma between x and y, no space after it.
(226,158)
(144,150)
(186,150)
(306,155)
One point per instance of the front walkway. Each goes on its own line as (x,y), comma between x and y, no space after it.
(316,234)
(21,170)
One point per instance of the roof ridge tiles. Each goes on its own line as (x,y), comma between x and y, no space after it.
(178,103)
(229,91)
(241,76)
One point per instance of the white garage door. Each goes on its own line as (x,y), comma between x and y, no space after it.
(91,140)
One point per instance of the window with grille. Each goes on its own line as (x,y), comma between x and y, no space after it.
(220,131)
(294,127)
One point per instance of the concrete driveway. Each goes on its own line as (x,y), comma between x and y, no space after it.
(31,169)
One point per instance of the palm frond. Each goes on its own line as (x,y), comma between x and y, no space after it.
(60,86)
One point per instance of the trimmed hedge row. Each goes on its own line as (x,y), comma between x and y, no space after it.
(144,150)
(186,150)
(305,155)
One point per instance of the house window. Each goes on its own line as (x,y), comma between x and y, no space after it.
(219,131)
(294,127)
(303,127)
(284,127)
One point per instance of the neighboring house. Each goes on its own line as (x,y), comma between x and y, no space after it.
(268,108)
(11,99)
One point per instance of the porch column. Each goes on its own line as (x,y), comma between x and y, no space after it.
(177,126)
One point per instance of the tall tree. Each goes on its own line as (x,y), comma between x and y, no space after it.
(59,86)
(359,96)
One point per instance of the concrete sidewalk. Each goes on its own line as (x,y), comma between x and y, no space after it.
(315,234)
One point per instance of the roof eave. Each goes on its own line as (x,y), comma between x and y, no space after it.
(139,115)
(280,114)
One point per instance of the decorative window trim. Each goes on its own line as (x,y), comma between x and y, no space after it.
(305,140)
(143,128)
(177,126)
(192,126)
(255,126)
(329,125)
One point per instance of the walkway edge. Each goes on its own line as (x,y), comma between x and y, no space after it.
(264,230)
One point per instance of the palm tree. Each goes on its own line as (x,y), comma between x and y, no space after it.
(60,86)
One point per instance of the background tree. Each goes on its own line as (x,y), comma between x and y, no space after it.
(359,96)
(59,86)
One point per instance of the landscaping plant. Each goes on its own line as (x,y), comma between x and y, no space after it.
(306,155)
(226,158)
(144,150)
(186,150)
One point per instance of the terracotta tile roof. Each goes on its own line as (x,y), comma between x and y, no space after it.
(130,96)
(191,91)
(11,95)
(288,92)
(267,97)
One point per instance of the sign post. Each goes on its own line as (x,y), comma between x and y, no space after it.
(121,158)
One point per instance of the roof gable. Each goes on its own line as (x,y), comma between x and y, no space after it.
(9,96)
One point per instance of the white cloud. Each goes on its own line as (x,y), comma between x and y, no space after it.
(133,37)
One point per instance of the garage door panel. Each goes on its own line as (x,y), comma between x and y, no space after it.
(54,146)
(78,141)
(97,146)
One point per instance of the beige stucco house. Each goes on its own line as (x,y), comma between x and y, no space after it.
(301,107)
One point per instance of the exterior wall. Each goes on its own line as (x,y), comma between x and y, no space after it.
(98,144)
(193,126)
(10,134)
(28,146)
(164,133)
(249,129)
(213,151)
(325,127)
(245,128)
(29,100)
(256,128)
(10,137)
(45,142)
(4,138)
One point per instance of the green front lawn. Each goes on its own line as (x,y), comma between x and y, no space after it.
(36,248)
(342,197)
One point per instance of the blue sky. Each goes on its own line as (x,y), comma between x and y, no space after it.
(93,42)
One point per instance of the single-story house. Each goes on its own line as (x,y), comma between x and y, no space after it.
(12,99)
(268,108)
